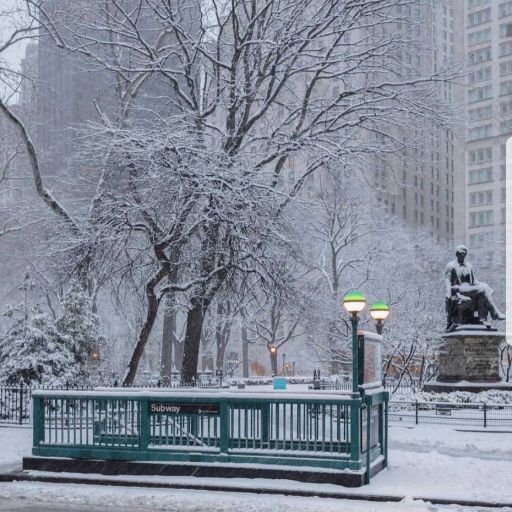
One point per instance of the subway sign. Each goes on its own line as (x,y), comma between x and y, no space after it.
(174,408)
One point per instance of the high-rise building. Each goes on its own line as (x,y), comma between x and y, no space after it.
(488,49)
(423,187)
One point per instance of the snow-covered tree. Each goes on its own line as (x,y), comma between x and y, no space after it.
(78,327)
(251,88)
(33,351)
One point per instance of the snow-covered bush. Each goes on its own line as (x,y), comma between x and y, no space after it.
(32,351)
(491,397)
(78,327)
(40,350)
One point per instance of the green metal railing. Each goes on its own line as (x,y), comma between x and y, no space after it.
(328,430)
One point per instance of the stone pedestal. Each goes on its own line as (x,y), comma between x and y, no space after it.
(469,360)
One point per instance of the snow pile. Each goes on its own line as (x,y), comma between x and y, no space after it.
(15,443)
(262,381)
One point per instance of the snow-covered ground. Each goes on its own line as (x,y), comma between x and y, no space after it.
(425,462)
(87,498)
(15,442)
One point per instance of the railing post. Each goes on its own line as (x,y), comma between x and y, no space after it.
(368,436)
(144,424)
(355,433)
(417,413)
(485,415)
(265,418)
(21,403)
(224,427)
(38,421)
(386,426)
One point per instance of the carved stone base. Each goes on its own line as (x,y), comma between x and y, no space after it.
(471,355)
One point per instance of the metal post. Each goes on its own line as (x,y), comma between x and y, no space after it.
(21,403)
(144,424)
(265,424)
(224,427)
(355,355)
(38,422)
(386,433)
(355,434)
(485,415)
(416,404)
(368,437)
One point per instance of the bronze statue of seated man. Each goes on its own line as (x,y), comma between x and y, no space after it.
(468,301)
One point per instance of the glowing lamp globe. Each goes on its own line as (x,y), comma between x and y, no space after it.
(354,302)
(379,311)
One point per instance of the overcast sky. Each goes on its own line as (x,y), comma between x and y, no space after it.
(14,54)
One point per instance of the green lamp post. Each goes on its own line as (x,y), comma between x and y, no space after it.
(354,302)
(379,311)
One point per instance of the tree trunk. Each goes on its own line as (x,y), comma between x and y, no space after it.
(273,363)
(245,353)
(195,320)
(221,352)
(169,328)
(178,353)
(151,315)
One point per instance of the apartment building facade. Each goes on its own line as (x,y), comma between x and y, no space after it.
(488,48)
(419,185)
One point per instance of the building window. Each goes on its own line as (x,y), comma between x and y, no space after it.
(480,36)
(479,17)
(480,93)
(505,9)
(506,68)
(480,176)
(477,156)
(483,218)
(477,3)
(480,132)
(505,128)
(478,240)
(480,198)
(506,108)
(480,75)
(505,88)
(480,113)
(483,55)
(505,49)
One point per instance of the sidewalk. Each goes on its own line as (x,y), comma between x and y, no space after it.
(434,463)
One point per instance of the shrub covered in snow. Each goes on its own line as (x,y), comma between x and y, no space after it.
(33,351)
(464,397)
(78,326)
(40,350)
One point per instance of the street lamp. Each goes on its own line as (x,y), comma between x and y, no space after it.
(273,359)
(379,311)
(354,302)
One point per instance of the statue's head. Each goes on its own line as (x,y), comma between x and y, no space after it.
(461,252)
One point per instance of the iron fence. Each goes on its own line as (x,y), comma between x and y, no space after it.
(445,413)
(403,388)
(16,407)
(16,401)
